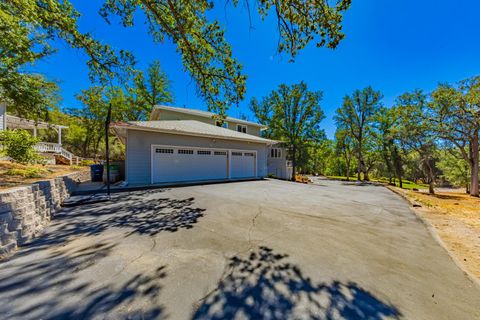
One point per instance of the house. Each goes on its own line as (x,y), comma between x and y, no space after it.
(185,145)
(49,150)
(277,163)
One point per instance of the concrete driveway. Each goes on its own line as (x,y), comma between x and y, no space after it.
(263,249)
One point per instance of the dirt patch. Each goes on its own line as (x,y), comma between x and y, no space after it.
(456,218)
(14,174)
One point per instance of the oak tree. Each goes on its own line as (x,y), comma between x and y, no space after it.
(456,113)
(356,116)
(292,115)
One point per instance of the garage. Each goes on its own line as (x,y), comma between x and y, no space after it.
(177,164)
(181,151)
(243,164)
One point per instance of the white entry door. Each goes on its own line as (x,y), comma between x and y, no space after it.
(172,164)
(243,164)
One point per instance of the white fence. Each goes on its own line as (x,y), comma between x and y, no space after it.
(54,148)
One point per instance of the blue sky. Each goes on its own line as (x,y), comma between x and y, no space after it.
(394,46)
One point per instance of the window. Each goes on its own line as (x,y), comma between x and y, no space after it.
(220,153)
(249,154)
(159,150)
(242,128)
(275,153)
(185,151)
(220,124)
(204,152)
(236,153)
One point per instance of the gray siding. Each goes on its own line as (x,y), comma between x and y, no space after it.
(138,151)
(255,131)
(232,125)
(278,166)
(3,116)
(172,115)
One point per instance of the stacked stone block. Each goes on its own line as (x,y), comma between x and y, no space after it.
(26,211)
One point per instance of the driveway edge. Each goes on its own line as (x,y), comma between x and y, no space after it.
(431,229)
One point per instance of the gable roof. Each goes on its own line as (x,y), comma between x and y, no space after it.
(201,113)
(189,128)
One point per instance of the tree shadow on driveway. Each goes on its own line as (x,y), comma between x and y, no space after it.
(265,286)
(54,277)
(62,285)
(139,212)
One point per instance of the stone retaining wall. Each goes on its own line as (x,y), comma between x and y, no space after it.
(26,211)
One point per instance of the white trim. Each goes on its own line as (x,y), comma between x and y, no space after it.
(151,163)
(229,157)
(59,135)
(229,164)
(242,126)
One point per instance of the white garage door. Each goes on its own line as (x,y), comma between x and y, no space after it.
(188,164)
(243,164)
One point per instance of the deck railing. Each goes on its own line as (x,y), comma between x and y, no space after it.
(54,148)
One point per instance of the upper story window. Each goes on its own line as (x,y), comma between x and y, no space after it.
(275,153)
(220,124)
(242,128)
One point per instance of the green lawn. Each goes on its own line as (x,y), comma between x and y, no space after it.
(341,178)
(406,183)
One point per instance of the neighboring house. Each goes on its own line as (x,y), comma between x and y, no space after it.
(55,151)
(183,145)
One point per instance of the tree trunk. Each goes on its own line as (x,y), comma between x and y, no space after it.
(430,176)
(348,170)
(360,159)
(84,148)
(431,189)
(359,168)
(431,180)
(365,175)
(474,190)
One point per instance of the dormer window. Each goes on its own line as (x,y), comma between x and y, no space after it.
(221,124)
(242,128)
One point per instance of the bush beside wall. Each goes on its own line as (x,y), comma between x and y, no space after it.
(26,211)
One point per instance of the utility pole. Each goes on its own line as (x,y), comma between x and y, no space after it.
(107,153)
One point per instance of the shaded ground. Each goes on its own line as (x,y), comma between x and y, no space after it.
(265,249)
(456,217)
(15,174)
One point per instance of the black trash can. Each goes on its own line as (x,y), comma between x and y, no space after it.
(96,172)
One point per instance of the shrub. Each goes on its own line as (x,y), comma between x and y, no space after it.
(86,162)
(19,145)
(27,173)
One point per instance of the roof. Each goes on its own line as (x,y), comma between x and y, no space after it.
(202,113)
(190,128)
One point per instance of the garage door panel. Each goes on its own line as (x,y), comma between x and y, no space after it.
(186,164)
(243,164)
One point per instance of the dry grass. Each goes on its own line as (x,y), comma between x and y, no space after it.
(456,218)
(14,174)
